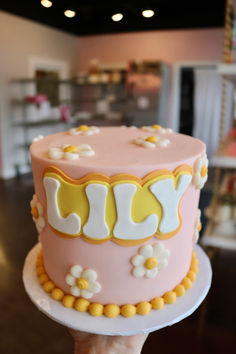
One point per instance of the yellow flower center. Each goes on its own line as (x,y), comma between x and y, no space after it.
(150,263)
(151,139)
(156,126)
(83,128)
(82,283)
(34,212)
(70,148)
(199,227)
(204,171)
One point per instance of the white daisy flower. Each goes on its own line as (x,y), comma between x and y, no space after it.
(37,213)
(150,260)
(200,171)
(70,152)
(151,142)
(156,128)
(84,130)
(198,226)
(37,138)
(82,282)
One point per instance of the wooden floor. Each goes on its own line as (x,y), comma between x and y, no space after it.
(25,330)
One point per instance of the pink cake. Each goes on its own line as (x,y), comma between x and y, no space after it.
(117,214)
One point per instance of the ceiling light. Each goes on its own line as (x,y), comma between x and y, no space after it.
(46,3)
(148,13)
(117,17)
(69,13)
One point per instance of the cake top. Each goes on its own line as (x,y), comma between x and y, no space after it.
(112,150)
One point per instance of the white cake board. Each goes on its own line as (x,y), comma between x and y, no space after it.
(156,319)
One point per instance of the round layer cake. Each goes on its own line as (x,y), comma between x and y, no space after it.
(116,209)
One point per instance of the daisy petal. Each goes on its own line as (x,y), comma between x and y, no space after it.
(76,271)
(55,154)
(162,264)
(75,291)
(139,140)
(139,271)
(157,249)
(164,254)
(195,236)
(89,274)
(84,147)
(146,251)
(147,144)
(40,208)
(88,132)
(86,294)
(72,131)
(86,153)
(41,221)
(70,280)
(94,287)
(71,156)
(138,260)
(151,273)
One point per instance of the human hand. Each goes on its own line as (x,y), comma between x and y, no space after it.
(87,343)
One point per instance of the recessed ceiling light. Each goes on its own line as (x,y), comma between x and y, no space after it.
(117,17)
(46,3)
(148,13)
(69,13)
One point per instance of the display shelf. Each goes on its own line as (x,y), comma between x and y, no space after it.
(39,123)
(81,97)
(72,101)
(229,70)
(68,82)
(213,239)
(223,161)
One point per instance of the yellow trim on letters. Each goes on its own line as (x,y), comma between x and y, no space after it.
(144,202)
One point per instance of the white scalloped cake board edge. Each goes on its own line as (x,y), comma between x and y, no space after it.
(156,319)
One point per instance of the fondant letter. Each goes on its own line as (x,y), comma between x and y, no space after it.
(71,224)
(96,226)
(169,198)
(125,228)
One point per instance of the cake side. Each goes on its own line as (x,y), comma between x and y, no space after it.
(131,266)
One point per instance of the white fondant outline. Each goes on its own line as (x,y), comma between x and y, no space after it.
(125,228)
(169,198)
(97,197)
(121,326)
(72,223)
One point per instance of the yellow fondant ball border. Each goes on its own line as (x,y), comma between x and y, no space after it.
(113,310)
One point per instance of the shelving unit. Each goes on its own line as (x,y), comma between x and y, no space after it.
(97,104)
(79,97)
(229,70)
(214,234)
(223,161)
(211,239)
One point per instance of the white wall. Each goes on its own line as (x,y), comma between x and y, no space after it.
(20,41)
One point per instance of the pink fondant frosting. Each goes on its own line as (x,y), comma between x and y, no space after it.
(116,152)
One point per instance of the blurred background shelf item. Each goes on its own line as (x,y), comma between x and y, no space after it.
(121,94)
(213,239)
(223,161)
(229,70)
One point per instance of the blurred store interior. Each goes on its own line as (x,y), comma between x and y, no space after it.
(70,63)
